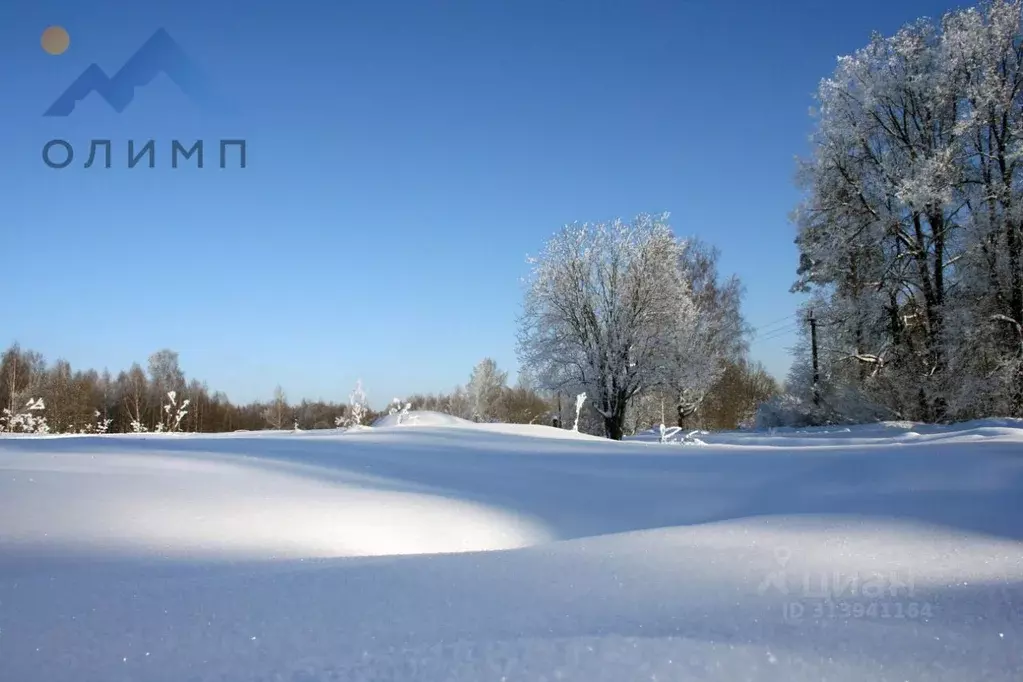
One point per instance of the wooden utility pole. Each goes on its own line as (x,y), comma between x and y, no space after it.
(813,344)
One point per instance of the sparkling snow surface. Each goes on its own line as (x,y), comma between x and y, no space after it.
(447,551)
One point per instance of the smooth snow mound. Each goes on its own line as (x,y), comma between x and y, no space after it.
(539,431)
(422,418)
(438,419)
(204,506)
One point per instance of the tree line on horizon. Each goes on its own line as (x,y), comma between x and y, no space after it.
(136,400)
(91,401)
(730,402)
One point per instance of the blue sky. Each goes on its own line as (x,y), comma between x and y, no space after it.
(403,159)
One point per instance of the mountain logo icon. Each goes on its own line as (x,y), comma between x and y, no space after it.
(159,54)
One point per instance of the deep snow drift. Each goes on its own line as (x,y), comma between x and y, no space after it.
(446,550)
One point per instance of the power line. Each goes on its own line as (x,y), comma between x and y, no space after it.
(780,319)
(765,328)
(781,331)
(776,337)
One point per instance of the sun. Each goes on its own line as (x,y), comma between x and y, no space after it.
(55,40)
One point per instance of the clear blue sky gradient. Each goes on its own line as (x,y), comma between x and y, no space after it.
(404,158)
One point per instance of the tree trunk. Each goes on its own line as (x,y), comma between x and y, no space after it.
(614,427)
(1017,390)
(683,415)
(685,410)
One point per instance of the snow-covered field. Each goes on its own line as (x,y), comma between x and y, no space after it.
(447,551)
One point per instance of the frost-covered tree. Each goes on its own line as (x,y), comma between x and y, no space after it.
(357,408)
(986,50)
(607,306)
(712,337)
(910,231)
(879,212)
(485,388)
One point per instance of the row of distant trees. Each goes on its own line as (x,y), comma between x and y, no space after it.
(730,402)
(159,397)
(136,399)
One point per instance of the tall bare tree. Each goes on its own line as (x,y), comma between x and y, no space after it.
(133,389)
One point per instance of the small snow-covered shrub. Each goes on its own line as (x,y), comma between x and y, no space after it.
(27,420)
(399,409)
(675,434)
(173,413)
(101,426)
